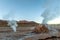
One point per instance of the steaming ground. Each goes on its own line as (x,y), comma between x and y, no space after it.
(23,32)
(28,32)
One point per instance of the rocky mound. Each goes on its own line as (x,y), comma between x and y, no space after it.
(41,29)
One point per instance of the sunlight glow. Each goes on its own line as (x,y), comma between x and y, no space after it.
(54,21)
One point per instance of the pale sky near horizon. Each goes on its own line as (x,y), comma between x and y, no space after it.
(25,9)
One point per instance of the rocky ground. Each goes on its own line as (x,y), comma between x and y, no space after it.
(29,33)
(29,30)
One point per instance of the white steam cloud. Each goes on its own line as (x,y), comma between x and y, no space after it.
(11,21)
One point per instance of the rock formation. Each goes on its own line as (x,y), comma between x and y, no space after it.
(40,29)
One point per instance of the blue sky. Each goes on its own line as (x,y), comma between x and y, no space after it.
(25,9)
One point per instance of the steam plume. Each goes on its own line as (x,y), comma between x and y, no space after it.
(49,14)
(11,22)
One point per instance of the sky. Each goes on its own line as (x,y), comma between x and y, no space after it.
(54,21)
(26,9)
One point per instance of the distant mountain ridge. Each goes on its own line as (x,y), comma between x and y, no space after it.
(21,23)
